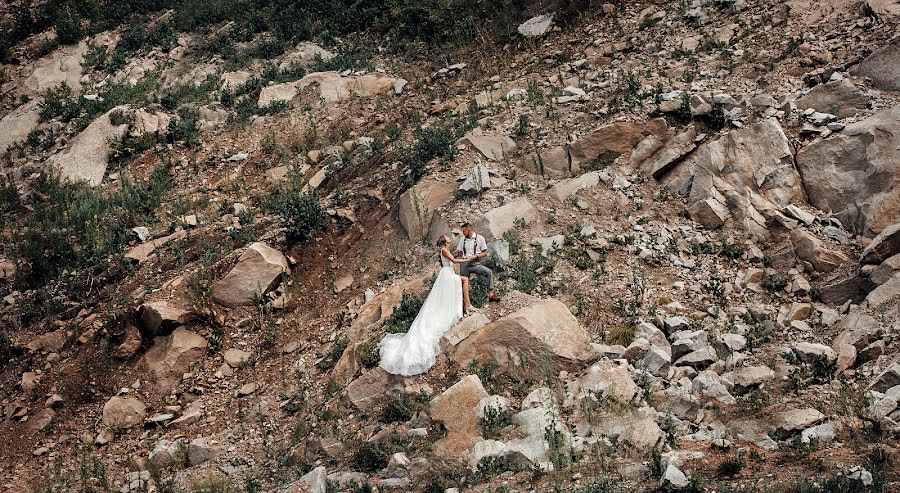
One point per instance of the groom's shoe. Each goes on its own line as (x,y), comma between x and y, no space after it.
(494,297)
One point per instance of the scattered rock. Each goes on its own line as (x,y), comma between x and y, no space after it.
(502,219)
(258,270)
(87,155)
(170,357)
(121,413)
(536,26)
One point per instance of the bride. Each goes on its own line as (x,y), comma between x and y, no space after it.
(413,353)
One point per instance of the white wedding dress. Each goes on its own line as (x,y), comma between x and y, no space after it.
(414,352)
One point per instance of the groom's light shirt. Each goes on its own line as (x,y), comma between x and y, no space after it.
(472,246)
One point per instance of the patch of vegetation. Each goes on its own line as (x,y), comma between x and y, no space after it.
(401,409)
(301,214)
(621,334)
(368,353)
(817,372)
(478,289)
(403,315)
(485,373)
(370,457)
(493,421)
(74,225)
(437,141)
(514,239)
(527,273)
(730,468)
(334,353)
(774,283)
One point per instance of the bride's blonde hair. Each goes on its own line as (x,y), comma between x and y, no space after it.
(443,240)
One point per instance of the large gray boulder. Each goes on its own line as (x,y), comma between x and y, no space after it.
(840,98)
(854,173)
(16,126)
(883,67)
(418,204)
(742,178)
(524,342)
(258,270)
(63,66)
(327,87)
(883,246)
(502,219)
(87,156)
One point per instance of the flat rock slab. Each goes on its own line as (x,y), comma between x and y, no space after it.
(504,218)
(258,270)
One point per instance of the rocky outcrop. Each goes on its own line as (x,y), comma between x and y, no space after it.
(87,156)
(170,357)
(840,98)
(418,205)
(502,219)
(883,246)
(857,331)
(16,126)
(492,147)
(457,408)
(600,147)
(813,250)
(327,87)
(161,317)
(63,66)
(304,54)
(741,178)
(882,67)
(258,270)
(564,189)
(526,341)
(143,252)
(854,173)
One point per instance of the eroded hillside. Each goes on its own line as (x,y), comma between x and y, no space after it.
(214,211)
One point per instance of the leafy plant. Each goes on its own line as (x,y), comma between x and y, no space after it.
(370,457)
(493,421)
(301,214)
(403,315)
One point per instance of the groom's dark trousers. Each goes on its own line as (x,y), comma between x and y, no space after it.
(475,267)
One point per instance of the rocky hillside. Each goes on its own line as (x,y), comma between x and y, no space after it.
(213,211)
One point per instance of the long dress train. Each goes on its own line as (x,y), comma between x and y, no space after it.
(414,352)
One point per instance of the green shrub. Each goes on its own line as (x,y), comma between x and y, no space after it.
(301,214)
(368,353)
(400,409)
(334,353)
(730,468)
(403,315)
(527,273)
(370,457)
(622,334)
(185,128)
(493,421)
(478,290)
(774,283)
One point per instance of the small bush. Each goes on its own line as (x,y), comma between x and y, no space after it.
(301,214)
(493,421)
(370,457)
(730,468)
(774,283)
(478,290)
(401,409)
(334,353)
(527,273)
(622,334)
(403,315)
(368,353)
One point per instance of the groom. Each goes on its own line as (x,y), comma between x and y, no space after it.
(473,248)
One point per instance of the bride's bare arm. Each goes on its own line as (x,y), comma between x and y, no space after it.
(449,256)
